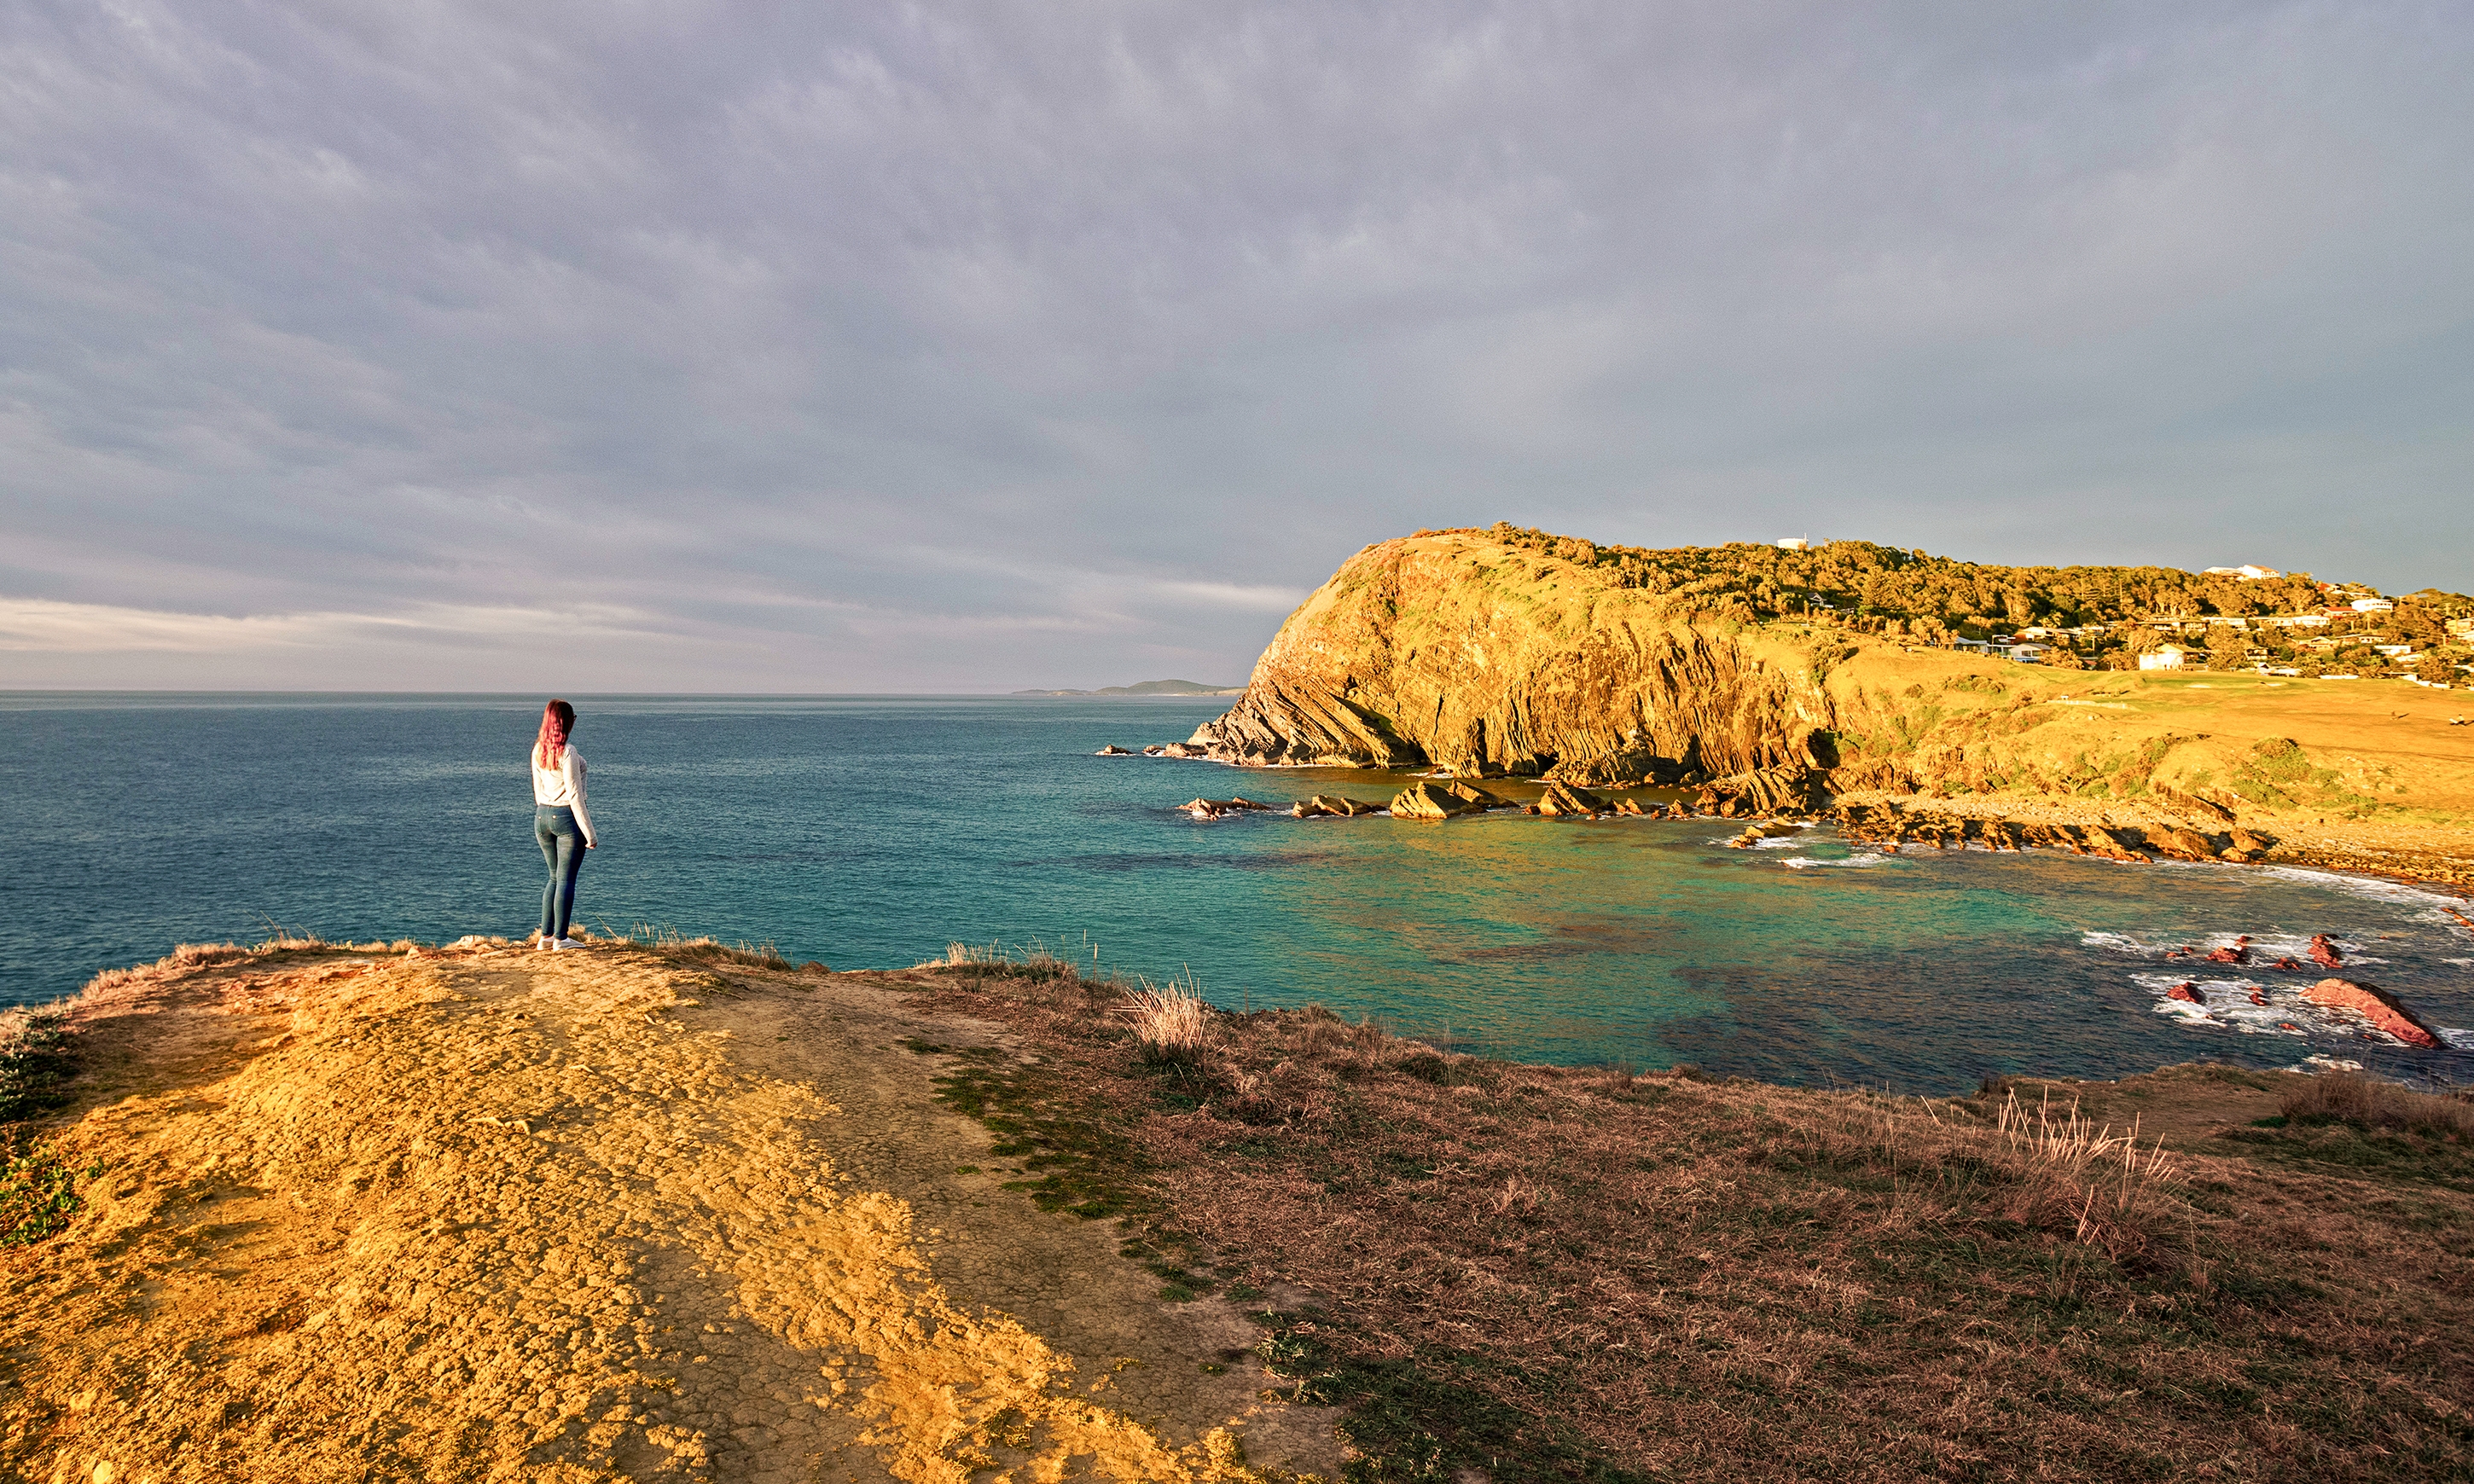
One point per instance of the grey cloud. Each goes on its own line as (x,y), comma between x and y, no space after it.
(866,348)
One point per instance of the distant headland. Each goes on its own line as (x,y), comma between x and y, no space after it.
(1148,688)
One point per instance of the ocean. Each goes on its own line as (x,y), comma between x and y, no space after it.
(873,831)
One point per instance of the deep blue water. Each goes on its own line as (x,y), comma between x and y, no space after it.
(871,832)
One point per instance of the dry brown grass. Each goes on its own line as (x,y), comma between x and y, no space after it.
(672,945)
(1171,1022)
(2350,1097)
(1546,1273)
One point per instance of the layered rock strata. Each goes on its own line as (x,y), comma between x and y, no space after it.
(1458,649)
(1890,826)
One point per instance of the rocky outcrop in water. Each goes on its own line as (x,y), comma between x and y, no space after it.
(1431,801)
(1222,808)
(1768,791)
(2384,1009)
(1331,804)
(1568,799)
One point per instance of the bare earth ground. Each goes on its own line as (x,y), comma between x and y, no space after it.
(488,1213)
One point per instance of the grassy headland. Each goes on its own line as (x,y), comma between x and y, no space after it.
(675,1211)
(1796,678)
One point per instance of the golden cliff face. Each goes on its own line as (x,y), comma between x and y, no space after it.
(1455,648)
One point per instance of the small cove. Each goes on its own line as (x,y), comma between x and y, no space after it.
(871,832)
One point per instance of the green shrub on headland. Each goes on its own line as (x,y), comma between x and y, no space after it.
(38,1196)
(34,1064)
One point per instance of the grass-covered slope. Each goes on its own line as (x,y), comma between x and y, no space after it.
(1538,1274)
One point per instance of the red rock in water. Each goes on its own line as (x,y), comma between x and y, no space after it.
(2185,991)
(2323,951)
(2237,952)
(2290,964)
(2376,1005)
(2258,998)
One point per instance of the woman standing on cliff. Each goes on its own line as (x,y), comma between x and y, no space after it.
(560,821)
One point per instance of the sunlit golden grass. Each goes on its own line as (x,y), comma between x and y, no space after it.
(1171,1022)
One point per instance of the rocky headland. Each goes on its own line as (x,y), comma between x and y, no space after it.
(1500,655)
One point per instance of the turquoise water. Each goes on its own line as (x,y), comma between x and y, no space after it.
(871,832)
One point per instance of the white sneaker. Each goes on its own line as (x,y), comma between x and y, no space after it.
(543,944)
(567,943)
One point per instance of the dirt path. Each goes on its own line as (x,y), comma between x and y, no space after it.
(491,1213)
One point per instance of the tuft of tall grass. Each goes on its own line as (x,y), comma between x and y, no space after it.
(2350,1097)
(2043,1166)
(1172,1020)
(2070,1170)
(1035,960)
(673,943)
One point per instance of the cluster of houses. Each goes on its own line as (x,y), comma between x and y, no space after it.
(2029,645)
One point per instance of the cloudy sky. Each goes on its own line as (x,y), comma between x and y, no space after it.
(872,347)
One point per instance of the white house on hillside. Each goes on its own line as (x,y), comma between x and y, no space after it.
(2166,658)
(2248,573)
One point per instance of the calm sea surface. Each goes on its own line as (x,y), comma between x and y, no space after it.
(871,832)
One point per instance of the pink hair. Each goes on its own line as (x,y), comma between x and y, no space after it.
(558,719)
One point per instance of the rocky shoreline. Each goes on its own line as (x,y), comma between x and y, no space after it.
(2173,826)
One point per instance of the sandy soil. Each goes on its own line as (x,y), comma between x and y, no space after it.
(489,1213)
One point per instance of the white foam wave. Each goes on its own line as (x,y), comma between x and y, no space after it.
(2371,886)
(1807,862)
(2319,1062)
(2266,948)
(2256,1009)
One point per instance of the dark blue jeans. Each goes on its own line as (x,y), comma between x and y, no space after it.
(563,851)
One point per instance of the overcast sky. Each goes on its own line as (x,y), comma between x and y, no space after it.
(869,347)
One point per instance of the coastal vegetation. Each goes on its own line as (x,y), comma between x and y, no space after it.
(1542,1273)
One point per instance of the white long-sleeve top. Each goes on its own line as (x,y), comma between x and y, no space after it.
(563,787)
